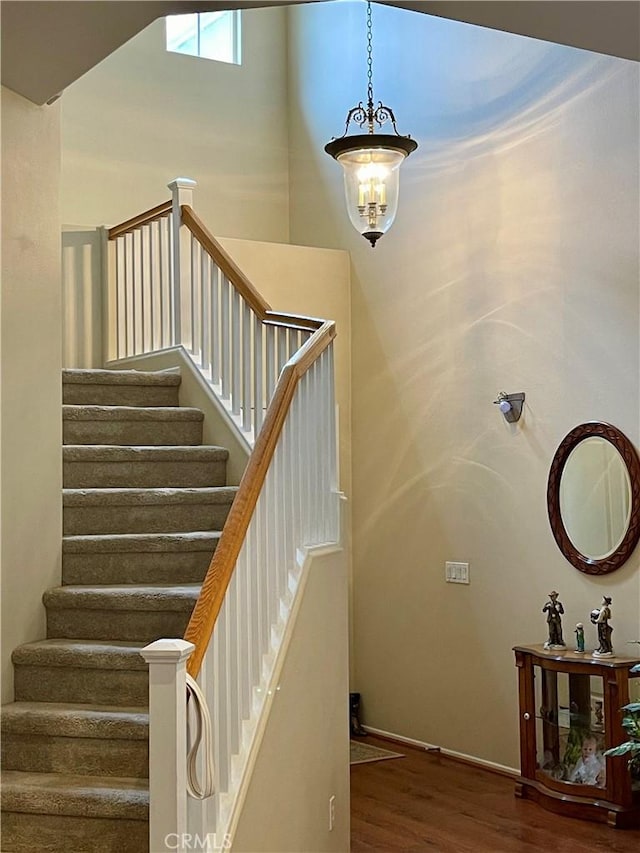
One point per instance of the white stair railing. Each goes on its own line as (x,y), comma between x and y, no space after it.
(141,306)
(170,283)
(296,509)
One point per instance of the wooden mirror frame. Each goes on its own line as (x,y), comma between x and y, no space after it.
(630,457)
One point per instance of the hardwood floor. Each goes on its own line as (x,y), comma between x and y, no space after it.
(424,802)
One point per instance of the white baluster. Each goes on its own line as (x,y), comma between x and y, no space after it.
(225,362)
(236,366)
(165,254)
(297,461)
(145,288)
(219,649)
(333,454)
(263,620)
(258,377)
(193,323)
(247,364)
(282,349)
(290,507)
(308,485)
(205,312)
(254,645)
(244,629)
(314,429)
(129,293)
(283,524)
(196,287)
(275,521)
(121,297)
(231,602)
(325,416)
(255,606)
(215,323)
(174,291)
(268,499)
(156,290)
(270,362)
(137,291)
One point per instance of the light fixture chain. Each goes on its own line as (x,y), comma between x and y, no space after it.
(369,56)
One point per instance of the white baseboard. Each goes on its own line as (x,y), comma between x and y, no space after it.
(450,753)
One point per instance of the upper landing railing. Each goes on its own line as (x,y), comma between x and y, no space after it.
(171,283)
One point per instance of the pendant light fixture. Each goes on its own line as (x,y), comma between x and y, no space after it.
(371,161)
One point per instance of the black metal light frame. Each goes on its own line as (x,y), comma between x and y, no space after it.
(370,116)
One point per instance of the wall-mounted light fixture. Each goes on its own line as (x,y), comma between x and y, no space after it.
(510,405)
(371,161)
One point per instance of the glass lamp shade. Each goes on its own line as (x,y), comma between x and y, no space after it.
(371,164)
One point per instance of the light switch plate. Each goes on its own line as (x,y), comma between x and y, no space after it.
(456,572)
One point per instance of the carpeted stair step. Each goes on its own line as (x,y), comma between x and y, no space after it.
(140,613)
(52,813)
(120,387)
(131,425)
(90,511)
(96,740)
(112,466)
(83,671)
(138,558)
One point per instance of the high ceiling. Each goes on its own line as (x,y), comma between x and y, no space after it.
(47,45)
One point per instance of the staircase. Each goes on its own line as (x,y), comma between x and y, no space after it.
(144,503)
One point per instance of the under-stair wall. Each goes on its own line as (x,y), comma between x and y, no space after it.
(302,755)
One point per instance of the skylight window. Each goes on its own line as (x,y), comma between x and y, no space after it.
(210,35)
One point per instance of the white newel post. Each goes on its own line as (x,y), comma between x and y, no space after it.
(181,193)
(110,318)
(167,661)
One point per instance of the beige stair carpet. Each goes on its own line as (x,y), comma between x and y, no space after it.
(143,506)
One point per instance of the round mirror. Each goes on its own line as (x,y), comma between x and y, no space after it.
(593,498)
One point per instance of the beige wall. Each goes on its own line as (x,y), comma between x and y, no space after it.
(31,360)
(304,755)
(513,265)
(144,116)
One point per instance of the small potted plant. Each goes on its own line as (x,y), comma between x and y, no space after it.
(631,747)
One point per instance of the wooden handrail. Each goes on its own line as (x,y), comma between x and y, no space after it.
(151,215)
(221,568)
(224,261)
(292,321)
(239,280)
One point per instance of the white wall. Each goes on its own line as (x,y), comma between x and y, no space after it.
(144,116)
(82,294)
(304,756)
(512,265)
(31,361)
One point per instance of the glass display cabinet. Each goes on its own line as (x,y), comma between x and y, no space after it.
(570,713)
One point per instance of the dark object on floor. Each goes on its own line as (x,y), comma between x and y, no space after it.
(354,716)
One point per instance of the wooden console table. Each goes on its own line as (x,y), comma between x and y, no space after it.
(569,715)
